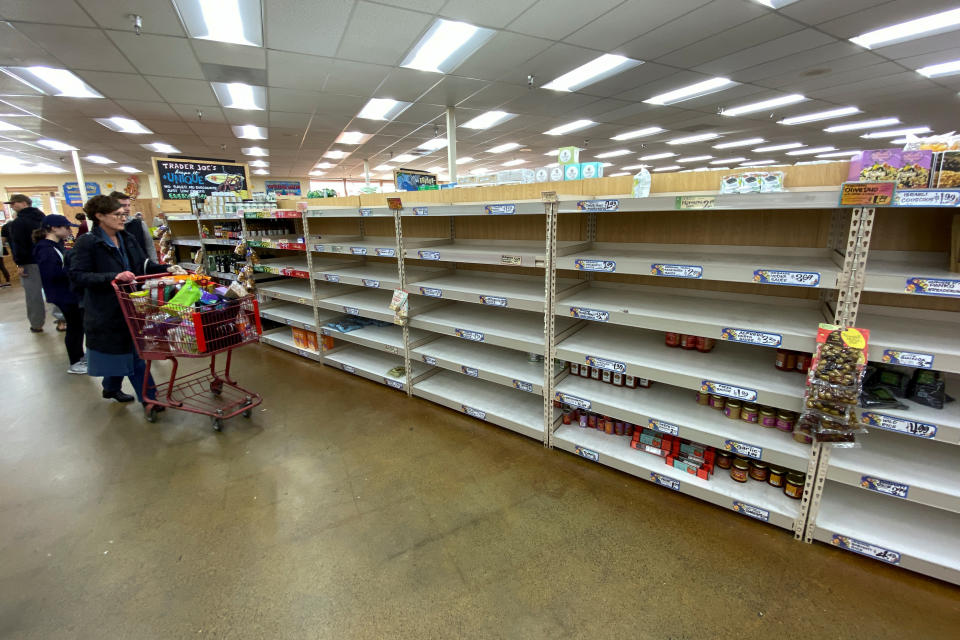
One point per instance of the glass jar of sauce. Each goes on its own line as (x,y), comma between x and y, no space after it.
(785,421)
(688,341)
(768,418)
(724,459)
(793,487)
(703,398)
(750,413)
(732,409)
(781,360)
(759,471)
(717,402)
(740,470)
(777,477)
(705,345)
(671,339)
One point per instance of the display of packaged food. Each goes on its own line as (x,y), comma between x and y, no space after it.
(877,165)
(915,170)
(945,170)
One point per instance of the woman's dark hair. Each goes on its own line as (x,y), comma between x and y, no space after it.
(99,204)
(41,233)
(80,216)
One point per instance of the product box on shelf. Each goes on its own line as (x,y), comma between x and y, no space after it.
(946,170)
(590,170)
(304,339)
(515,176)
(568,155)
(877,165)
(542,174)
(556,174)
(914,171)
(571,171)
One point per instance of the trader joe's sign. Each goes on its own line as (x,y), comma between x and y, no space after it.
(183,179)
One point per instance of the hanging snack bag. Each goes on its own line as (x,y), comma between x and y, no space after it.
(834,384)
(771,182)
(928,388)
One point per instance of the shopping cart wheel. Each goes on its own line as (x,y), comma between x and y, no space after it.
(217,424)
(246,414)
(151,414)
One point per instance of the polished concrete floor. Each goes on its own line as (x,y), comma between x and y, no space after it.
(342,509)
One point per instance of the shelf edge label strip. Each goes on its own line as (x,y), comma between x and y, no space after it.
(865,549)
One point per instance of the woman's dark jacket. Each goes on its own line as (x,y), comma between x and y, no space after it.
(50,257)
(93,266)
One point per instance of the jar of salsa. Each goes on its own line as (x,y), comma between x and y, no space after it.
(705,345)
(759,471)
(608,425)
(703,398)
(793,487)
(671,339)
(731,409)
(777,477)
(607,376)
(803,362)
(574,369)
(617,379)
(629,381)
(724,459)
(791,363)
(595,373)
(740,470)
(781,360)
(785,421)
(750,413)
(688,341)
(717,402)
(592,421)
(767,417)
(583,421)
(584,371)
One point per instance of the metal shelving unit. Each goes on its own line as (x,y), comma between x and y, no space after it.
(503,290)
(497,364)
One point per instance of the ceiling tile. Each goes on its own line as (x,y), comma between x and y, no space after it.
(241,117)
(231,55)
(158,55)
(452,90)
(148,110)
(426,6)
(335,104)
(492,96)
(502,54)
(381,34)
(184,90)
(292,100)
(77,48)
(169,127)
(560,104)
(812,60)
(550,64)
(211,115)
(884,15)
(556,19)
(306,27)
(210,129)
(297,71)
(629,20)
(356,78)
(18,50)
(489,13)
(408,84)
(158,17)
(737,38)
(774,49)
(118,86)
(65,12)
(289,120)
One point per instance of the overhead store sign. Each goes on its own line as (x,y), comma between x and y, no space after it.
(71,192)
(283,187)
(183,179)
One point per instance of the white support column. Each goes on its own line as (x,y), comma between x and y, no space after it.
(81,183)
(451,144)
(366,172)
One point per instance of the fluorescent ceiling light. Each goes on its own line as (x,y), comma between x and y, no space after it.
(606,164)
(919,28)
(99,160)
(259,163)
(478,172)
(552,152)
(757,163)
(570,127)
(382,109)
(779,147)
(693,159)
(507,146)
(864,124)
(464,160)
(383,167)
(353,137)
(638,133)
(764,104)
(839,154)
(775,4)
(123,125)
(513,163)
(324,165)
(237,95)
(446,45)
(658,156)
(233,21)
(433,145)
(55,82)
(336,154)
(6,126)
(318,173)
(942,69)
(403,157)
(250,132)
(127,169)
(691,139)
(738,143)
(261,172)
(809,151)
(893,133)
(672,167)
(634,166)
(693,91)
(255,151)
(594,71)
(436,169)
(487,120)
(820,115)
(613,154)
(727,161)
(56,145)
(160,147)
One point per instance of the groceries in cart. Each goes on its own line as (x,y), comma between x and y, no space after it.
(189,314)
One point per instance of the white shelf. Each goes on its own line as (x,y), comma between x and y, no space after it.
(515,410)
(282,338)
(720,489)
(487,362)
(225,242)
(922,539)
(491,289)
(291,266)
(388,338)
(290,313)
(924,472)
(371,246)
(504,208)
(372,365)
(180,217)
(520,330)
(810,198)
(293,290)
(671,410)
(369,303)
(890,271)
(790,322)
(707,262)
(644,355)
(221,216)
(923,335)
(348,212)
(187,241)
(917,419)
(376,275)
(517,253)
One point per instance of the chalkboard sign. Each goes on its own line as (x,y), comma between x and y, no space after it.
(180,179)
(414,180)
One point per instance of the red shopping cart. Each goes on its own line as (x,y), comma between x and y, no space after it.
(162,331)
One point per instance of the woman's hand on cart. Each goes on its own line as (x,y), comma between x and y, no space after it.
(125,277)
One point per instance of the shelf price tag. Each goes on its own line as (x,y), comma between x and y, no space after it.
(596,315)
(865,549)
(474,413)
(353,311)
(572,401)
(331,277)
(750,336)
(493,301)
(396,384)
(349,369)
(428,255)
(900,425)
(788,278)
(743,449)
(908,358)
(609,365)
(598,205)
(433,293)
(500,209)
(589,454)
(677,270)
(926,198)
(750,510)
(511,260)
(386,252)
(663,427)
(855,194)
(358,251)
(473,372)
(933,287)
(430,360)
(373,284)
(421,211)
(664,481)
(466,334)
(523,386)
(318,247)
(888,487)
(696,202)
(728,390)
(366,212)
(587,264)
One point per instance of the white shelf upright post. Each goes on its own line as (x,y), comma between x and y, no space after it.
(551,205)
(402,276)
(313,284)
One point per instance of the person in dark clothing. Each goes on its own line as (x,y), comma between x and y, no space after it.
(28,220)
(105,254)
(82,219)
(50,256)
(4,252)
(136,227)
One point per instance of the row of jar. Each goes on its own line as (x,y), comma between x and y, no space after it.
(768,417)
(744,470)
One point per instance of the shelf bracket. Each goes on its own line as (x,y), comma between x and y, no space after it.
(402,275)
(551,206)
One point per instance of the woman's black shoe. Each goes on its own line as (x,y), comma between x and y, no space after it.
(119,396)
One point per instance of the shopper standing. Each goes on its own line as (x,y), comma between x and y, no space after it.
(50,255)
(136,227)
(105,254)
(82,219)
(4,252)
(28,220)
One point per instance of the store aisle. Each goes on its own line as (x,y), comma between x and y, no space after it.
(344,510)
